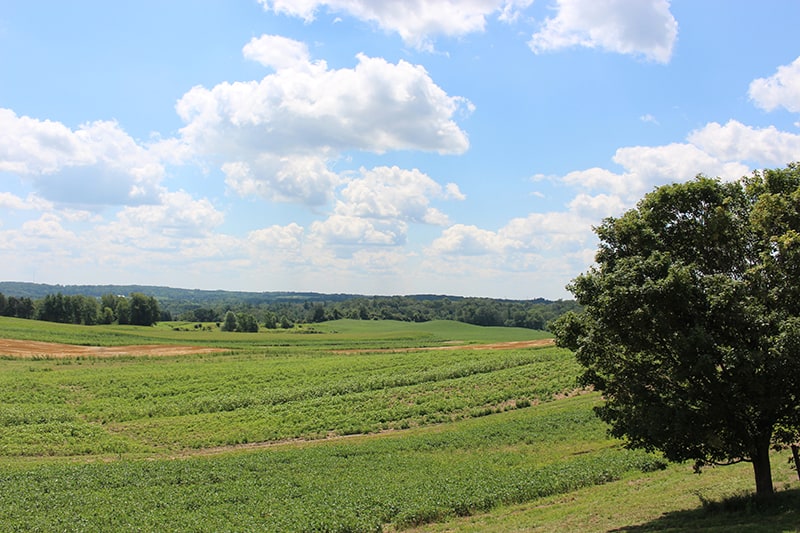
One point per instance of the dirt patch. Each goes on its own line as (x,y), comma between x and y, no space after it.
(511,345)
(31,349)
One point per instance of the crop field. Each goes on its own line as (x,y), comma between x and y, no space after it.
(340,426)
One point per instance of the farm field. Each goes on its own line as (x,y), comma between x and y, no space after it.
(340,426)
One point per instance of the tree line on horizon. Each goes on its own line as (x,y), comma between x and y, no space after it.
(141,309)
(477,311)
(136,309)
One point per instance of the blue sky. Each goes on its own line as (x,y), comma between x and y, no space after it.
(372,147)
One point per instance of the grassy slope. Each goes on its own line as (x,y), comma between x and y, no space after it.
(222,490)
(335,334)
(354,484)
(672,500)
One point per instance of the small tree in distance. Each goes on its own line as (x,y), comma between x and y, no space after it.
(229,324)
(691,321)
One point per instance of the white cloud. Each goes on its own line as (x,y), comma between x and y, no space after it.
(597,207)
(380,260)
(637,27)
(44,238)
(277,52)
(649,166)
(174,223)
(728,151)
(469,240)
(301,178)
(277,136)
(48,227)
(32,202)
(782,89)
(281,246)
(548,231)
(376,106)
(736,142)
(352,231)
(649,118)
(395,193)
(416,21)
(96,164)
(276,237)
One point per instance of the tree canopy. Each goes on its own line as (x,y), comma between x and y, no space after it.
(691,320)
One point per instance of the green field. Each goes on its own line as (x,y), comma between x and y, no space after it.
(295,431)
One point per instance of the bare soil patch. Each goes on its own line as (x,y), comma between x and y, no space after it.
(30,349)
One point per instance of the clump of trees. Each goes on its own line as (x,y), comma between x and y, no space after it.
(691,321)
(136,309)
(17,307)
(242,322)
(533,314)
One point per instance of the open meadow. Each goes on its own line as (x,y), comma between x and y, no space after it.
(340,426)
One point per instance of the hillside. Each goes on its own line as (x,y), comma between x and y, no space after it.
(304,307)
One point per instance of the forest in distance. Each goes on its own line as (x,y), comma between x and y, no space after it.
(94,304)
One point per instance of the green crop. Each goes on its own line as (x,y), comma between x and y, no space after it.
(292,430)
(344,485)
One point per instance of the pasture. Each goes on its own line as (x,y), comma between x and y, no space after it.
(340,426)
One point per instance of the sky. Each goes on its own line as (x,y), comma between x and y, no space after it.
(460,147)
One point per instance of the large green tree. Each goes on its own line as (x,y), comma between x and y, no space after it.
(691,321)
(144,309)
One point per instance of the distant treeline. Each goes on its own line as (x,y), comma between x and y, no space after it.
(136,309)
(89,304)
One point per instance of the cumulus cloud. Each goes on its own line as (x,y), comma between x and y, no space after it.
(646,167)
(597,207)
(282,245)
(395,193)
(48,227)
(735,141)
(728,151)
(350,230)
(376,106)
(32,202)
(45,237)
(416,21)
(287,237)
(638,27)
(782,89)
(277,52)
(96,164)
(470,240)
(300,178)
(174,223)
(276,137)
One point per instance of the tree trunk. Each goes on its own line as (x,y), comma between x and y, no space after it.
(762,469)
(796,455)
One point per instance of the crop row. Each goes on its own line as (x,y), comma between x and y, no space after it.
(354,485)
(132,405)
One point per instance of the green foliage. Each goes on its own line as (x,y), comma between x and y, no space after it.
(291,308)
(91,444)
(144,310)
(18,307)
(691,326)
(402,479)
(246,323)
(229,324)
(203,401)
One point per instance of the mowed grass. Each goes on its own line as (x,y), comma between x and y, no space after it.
(295,431)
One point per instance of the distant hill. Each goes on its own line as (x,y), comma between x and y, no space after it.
(202,296)
(292,307)
(165,294)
